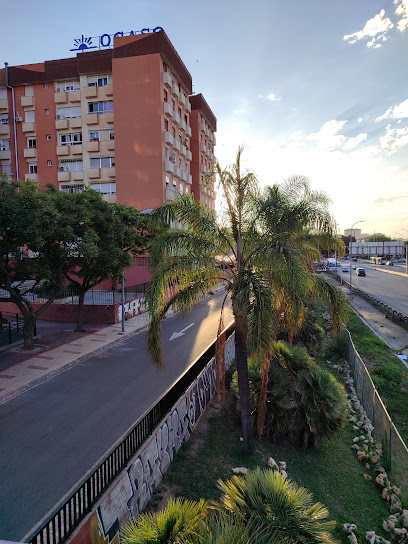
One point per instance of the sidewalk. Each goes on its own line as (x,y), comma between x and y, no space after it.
(44,362)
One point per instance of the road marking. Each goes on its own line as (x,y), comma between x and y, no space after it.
(181,333)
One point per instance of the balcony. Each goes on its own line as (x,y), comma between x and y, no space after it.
(94,173)
(106,90)
(90,92)
(188,131)
(168,110)
(5,131)
(189,155)
(76,149)
(183,150)
(177,119)
(30,176)
(107,118)
(74,96)
(176,144)
(28,127)
(167,80)
(92,146)
(75,122)
(111,172)
(3,105)
(61,124)
(171,194)
(202,127)
(27,101)
(5,155)
(168,138)
(64,176)
(190,179)
(187,106)
(92,118)
(169,166)
(62,150)
(60,98)
(203,169)
(183,125)
(177,172)
(184,175)
(30,153)
(182,98)
(109,145)
(175,90)
(78,175)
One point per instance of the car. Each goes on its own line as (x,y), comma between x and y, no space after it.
(360,272)
(345,269)
(355,267)
(389,263)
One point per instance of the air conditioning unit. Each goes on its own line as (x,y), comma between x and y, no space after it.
(61,168)
(19,119)
(59,117)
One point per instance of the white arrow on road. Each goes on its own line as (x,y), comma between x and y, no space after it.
(181,333)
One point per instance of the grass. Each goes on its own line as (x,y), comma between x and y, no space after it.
(388,373)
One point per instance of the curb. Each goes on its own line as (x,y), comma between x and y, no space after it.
(23,388)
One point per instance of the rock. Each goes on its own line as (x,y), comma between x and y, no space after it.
(365,447)
(386,527)
(401,532)
(367,477)
(396,490)
(367,466)
(404,519)
(240,470)
(370,537)
(356,439)
(349,527)
(375,459)
(391,524)
(352,538)
(384,493)
(396,507)
(284,473)
(272,463)
(355,427)
(282,464)
(380,480)
(355,446)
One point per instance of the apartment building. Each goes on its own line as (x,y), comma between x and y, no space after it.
(121,121)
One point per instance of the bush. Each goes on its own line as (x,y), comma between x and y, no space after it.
(305,403)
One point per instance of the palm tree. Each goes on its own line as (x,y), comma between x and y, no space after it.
(177,520)
(269,242)
(278,504)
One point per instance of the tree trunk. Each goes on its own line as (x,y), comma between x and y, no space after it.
(241,358)
(30,320)
(262,398)
(80,316)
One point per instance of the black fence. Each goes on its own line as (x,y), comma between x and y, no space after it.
(11,328)
(60,524)
(391,313)
(92,297)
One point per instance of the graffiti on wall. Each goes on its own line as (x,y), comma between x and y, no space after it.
(129,493)
(132,308)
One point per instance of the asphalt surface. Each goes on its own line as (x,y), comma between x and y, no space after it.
(54,433)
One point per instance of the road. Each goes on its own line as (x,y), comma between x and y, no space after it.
(52,435)
(392,289)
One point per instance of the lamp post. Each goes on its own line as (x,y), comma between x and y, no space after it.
(351,260)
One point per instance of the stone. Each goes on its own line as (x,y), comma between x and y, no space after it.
(400,532)
(375,459)
(370,537)
(367,466)
(367,477)
(349,527)
(355,446)
(282,465)
(240,470)
(365,447)
(404,519)
(284,473)
(380,480)
(272,463)
(384,493)
(396,490)
(352,538)
(356,439)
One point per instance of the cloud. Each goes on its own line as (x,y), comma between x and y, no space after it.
(395,112)
(375,28)
(393,139)
(328,137)
(391,199)
(402,11)
(359,119)
(239,111)
(273,98)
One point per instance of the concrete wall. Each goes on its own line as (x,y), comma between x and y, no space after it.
(131,491)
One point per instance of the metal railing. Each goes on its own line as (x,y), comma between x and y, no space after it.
(92,297)
(394,448)
(56,527)
(11,328)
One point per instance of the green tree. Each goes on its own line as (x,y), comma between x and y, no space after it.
(269,242)
(35,240)
(378,238)
(108,235)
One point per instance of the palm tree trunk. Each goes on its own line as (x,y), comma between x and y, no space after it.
(241,358)
(262,398)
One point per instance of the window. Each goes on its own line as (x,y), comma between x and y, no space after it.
(69,113)
(30,116)
(173,104)
(180,162)
(70,165)
(181,187)
(49,163)
(104,188)
(179,112)
(4,145)
(71,139)
(167,154)
(94,135)
(166,125)
(32,168)
(167,179)
(3,94)
(164,67)
(186,118)
(174,182)
(6,168)
(173,129)
(3,120)
(99,81)
(31,143)
(67,86)
(102,162)
(111,135)
(48,137)
(29,90)
(45,85)
(46,111)
(100,107)
(72,188)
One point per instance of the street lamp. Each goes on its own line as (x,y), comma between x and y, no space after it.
(351,235)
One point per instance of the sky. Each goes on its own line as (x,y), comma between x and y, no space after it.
(317,88)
